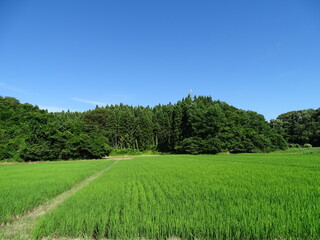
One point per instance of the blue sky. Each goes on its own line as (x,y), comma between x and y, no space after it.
(255,55)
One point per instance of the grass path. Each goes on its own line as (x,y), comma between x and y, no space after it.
(21,228)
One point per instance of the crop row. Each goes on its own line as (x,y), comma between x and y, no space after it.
(204,197)
(25,186)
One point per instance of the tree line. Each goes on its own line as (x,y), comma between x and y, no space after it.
(194,125)
(299,128)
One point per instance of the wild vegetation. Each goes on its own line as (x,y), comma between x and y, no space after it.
(299,128)
(246,196)
(30,134)
(24,186)
(193,125)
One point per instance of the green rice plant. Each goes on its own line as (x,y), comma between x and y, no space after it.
(245,196)
(25,186)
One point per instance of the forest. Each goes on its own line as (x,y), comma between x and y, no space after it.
(193,125)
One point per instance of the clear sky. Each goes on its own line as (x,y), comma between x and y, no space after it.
(71,54)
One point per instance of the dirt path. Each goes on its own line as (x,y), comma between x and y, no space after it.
(21,228)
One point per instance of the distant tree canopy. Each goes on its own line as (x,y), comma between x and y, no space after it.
(192,125)
(299,127)
(30,134)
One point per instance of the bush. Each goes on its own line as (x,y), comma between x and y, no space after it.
(294,145)
(192,145)
(39,152)
(84,146)
(307,145)
(130,151)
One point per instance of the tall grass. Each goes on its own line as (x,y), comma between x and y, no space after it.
(247,196)
(133,152)
(313,150)
(24,186)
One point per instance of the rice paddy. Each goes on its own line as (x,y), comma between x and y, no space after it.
(245,196)
(25,186)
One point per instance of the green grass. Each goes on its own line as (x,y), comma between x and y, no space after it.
(133,152)
(245,196)
(25,186)
(313,150)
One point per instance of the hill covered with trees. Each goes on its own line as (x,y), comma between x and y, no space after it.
(299,127)
(30,134)
(192,125)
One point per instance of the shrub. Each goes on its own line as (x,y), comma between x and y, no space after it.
(307,145)
(294,145)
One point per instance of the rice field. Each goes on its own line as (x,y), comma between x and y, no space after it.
(245,196)
(25,186)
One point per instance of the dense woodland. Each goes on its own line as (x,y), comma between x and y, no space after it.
(193,125)
(299,128)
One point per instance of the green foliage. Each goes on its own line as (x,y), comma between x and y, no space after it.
(299,127)
(299,150)
(307,145)
(16,124)
(31,134)
(212,126)
(192,145)
(85,146)
(243,196)
(193,125)
(132,152)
